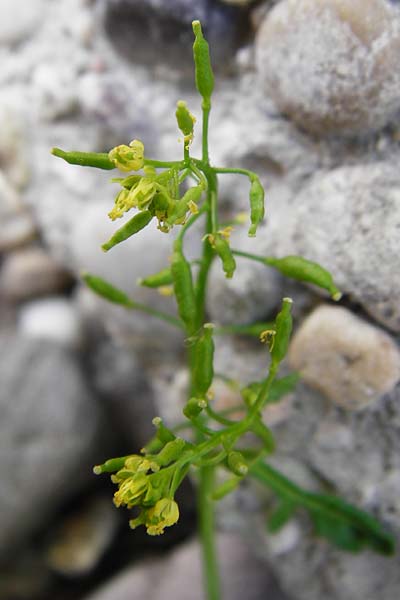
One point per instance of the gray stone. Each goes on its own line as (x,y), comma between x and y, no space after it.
(32,272)
(178,576)
(331,65)
(151,32)
(361,250)
(351,362)
(50,435)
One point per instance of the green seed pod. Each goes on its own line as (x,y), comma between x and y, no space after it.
(203,356)
(162,437)
(110,466)
(203,71)
(193,407)
(157,280)
(283,330)
(138,222)
(190,198)
(222,248)
(237,464)
(301,269)
(85,159)
(171,452)
(183,288)
(107,291)
(185,120)
(225,488)
(256,205)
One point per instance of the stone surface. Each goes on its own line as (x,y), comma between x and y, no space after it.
(331,64)
(151,32)
(50,435)
(362,251)
(351,362)
(16,24)
(178,576)
(80,541)
(32,272)
(55,319)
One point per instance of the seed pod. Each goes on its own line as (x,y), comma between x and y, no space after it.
(183,288)
(191,196)
(193,407)
(185,120)
(222,248)
(110,466)
(138,222)
(283,324)
(301,269)
(237,464)
(203,71)
(203,356)
(256,205)
(157,280)
(171,452)
(98,160)
(107,291)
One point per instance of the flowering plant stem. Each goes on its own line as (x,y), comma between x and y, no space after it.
(147,483)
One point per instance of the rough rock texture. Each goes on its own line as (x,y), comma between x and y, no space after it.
(49,437)
(331,64)
(54,318)
(179,577)
(363,248)
(348,360)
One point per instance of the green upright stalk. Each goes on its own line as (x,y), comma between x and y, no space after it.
(207,533)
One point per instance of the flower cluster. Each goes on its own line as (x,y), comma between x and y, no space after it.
(149,482)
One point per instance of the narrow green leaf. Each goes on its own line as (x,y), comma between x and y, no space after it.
(281,516)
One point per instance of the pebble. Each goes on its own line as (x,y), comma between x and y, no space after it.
(351,362)
(331,65)
(31,272)
(55,319)
(16,24)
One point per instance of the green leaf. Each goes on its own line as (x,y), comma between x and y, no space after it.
(279,388)
(106,290)
(344,525)
(281,516)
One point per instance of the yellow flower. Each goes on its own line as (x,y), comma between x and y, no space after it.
(163,514)
(131,490)
(128,158)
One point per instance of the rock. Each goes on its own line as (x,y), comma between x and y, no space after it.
(330,65)
(172,577)
(150,32)
(17,25)
(80,541)
(361,251)
(351,362)
(126,392)
(50,435)
(55,319)
(32,272)
(17,226)
(13,155)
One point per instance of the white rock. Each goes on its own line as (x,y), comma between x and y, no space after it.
(351,362)
(52,319)
(16,22)
(331,64)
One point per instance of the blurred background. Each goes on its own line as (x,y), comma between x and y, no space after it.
(307,95)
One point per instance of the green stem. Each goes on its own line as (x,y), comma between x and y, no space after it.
(206,116)
(236,171)
(207,532)
(249,255)
(161,164)
(160,315)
